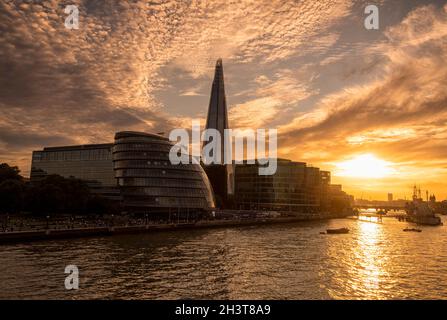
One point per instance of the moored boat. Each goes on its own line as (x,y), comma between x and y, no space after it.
(419,211)
(412,230)
(337,231)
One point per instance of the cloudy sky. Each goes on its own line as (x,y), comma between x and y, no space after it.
(369,105)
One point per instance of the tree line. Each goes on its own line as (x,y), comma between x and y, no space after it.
(53,194)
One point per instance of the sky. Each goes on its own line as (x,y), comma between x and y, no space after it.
(368,105)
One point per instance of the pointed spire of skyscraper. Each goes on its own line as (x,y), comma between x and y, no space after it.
(217,110)
(221,176)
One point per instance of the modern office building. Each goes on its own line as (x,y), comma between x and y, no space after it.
(295,187)
(150,183)
(220,175)
(337,196)
(91,163)
(325,177)
(134,170)
(325,181)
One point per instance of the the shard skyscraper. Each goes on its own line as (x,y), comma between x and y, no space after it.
(217,109)
(221,176)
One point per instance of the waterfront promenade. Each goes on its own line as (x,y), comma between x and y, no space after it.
(43,230)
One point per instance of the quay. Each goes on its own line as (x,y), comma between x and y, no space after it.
(50,234)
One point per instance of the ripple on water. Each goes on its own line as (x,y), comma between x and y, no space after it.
(373,261)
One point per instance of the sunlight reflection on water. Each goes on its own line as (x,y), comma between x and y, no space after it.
(373,261)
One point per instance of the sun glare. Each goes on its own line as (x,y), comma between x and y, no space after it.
(364,166)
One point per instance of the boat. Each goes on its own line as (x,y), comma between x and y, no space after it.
(337,231)
(412,230)
(419,211)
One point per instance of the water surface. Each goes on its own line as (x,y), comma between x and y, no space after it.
(293,261)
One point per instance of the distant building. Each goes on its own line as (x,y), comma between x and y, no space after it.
(220,175)
(335,188)
(337,197)
(134,170)
(399,203)
(390,197)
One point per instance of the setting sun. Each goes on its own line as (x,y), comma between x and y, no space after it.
(364,166)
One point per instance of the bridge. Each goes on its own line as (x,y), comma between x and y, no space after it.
(377,216)
(383,207)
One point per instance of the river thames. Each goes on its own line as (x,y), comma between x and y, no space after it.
(293,261)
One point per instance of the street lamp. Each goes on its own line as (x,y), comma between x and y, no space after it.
(48,221)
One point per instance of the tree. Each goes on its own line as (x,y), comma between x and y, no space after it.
(11,189)
(56,194)
(53,194)
(11,196)
(101,205)
(9,173)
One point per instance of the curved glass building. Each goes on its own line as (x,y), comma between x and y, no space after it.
(149,183)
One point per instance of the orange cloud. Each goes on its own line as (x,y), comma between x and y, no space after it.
(401,116)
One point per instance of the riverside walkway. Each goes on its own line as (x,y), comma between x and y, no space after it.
(48,234)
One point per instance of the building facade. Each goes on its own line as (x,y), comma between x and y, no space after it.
(90,163)
(294,187)
(134,170)
(150,183)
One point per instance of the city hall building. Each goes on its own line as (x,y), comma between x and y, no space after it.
(148,181)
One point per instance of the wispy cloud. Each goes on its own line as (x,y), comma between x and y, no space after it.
(76,86)
(308,67)
(400,115)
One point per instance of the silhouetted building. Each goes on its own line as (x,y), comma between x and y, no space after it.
(294,187)
(338,198)
(325,181)
(217,117)
(390,197)
(134,170)
(325,177)
(220,175)
(91,163)
(149,183)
